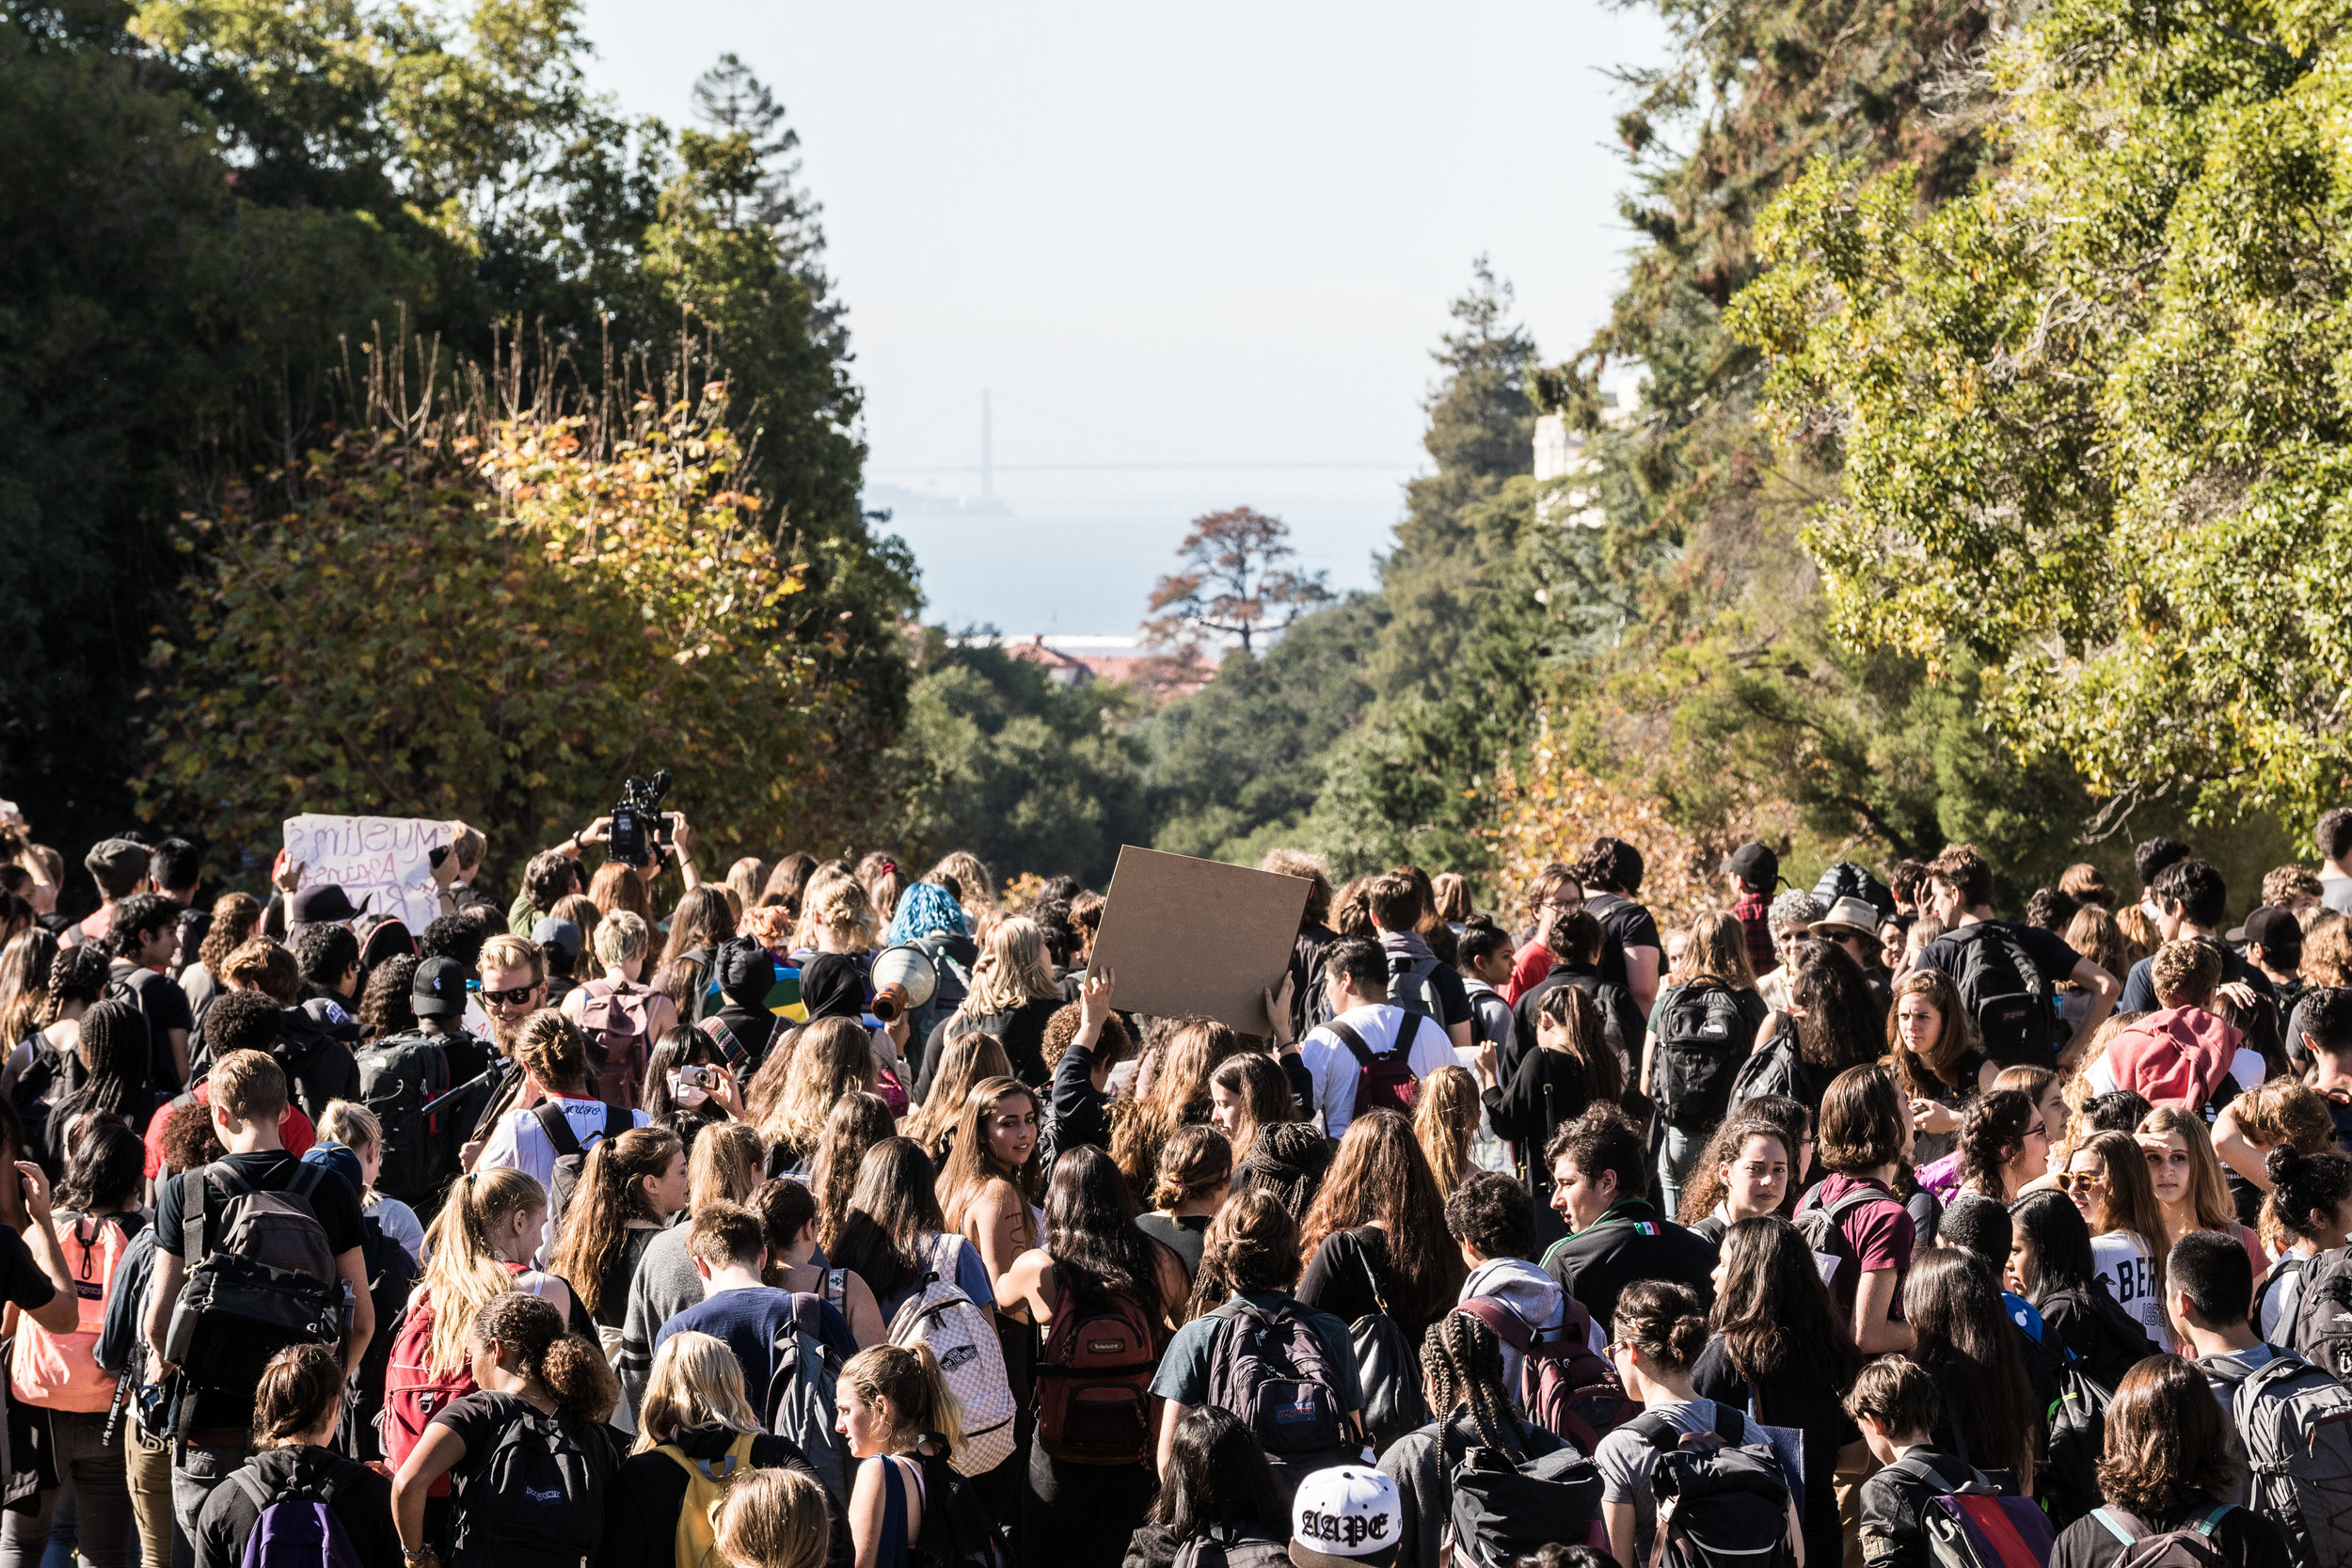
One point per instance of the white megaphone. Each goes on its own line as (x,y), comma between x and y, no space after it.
(904,977)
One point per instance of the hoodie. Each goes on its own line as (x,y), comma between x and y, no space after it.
(362,1501)
(314,1045)
(2177,1056)
(1527,1291)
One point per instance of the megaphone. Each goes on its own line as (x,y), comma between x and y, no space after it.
(904,977)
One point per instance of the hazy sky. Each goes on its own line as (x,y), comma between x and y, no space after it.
(1216,234)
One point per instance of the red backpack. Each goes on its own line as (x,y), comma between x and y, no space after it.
(1567,1390)
(1383,1081)
(1094,1382)
(619,1017)
(414,1393)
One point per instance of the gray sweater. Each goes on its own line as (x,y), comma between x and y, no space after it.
(665,1285)
(1421,1465)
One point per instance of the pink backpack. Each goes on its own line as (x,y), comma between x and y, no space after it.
(620,1017)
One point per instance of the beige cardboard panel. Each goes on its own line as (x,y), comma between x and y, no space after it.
(1190,936)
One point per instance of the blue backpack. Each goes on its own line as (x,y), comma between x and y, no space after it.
(296,1531)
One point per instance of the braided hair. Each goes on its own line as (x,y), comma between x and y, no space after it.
(1461,1362)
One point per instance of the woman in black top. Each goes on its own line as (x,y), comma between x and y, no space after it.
(683,1107)
(1195,1178)
(2167,1467)
(627,1191)
(1779,1353)
(1963,1337)
(2050,1264)
(295,1415)
(1933,1043)
(1572,1067)
(1376,1232)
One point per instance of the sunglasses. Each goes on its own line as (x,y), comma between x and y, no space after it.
(514,998)
(2076,1181)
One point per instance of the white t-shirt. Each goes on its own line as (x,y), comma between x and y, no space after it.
(2247,1066)
(2131,1278)
(2286,1293)
(521,1144)
(1334,1068)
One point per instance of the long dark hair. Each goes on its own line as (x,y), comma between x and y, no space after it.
(107,1167)
(1090,1233)
(1954,1308)
(1786,1120)
(1217,1475)
(114,1043)
(1575,1011)
(1381,1173)
(892,1212)
(1841,1023)
(2061,1244)
(1774,1316)
(385,1007)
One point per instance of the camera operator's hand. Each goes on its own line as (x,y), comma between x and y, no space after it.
(683,838)
(727,1092)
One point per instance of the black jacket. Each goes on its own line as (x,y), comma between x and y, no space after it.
(2096,1330)
(1621,1023)
(642,1501)
(1634,1241)
(314,1046)
(362,1501)
(1082,1112)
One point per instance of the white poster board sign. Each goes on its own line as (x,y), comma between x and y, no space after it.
(383,863)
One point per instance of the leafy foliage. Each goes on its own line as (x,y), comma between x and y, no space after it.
(2092,417)
(998,759)
(1234,581)
(599,599)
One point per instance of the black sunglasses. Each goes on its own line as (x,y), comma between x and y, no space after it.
(514,998)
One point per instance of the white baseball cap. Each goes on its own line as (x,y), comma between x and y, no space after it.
(1346,1518)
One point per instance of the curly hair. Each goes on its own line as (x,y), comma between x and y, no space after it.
(574,1372)
(855,1125)
(2165,1449)
(385,1007)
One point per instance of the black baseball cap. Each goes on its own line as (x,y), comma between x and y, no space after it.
(1755,864)
(2277,929)
(439,989)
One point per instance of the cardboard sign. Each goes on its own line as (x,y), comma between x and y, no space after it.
(1188,936)
(383,863)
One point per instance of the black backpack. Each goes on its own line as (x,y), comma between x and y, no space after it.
(1730,1502)
(1775,1067)
(261,1276)
(1702,1041)
(540,1492)
(2323,1314)
(398,1076)
(2068,1482)
(571,1155)
(1507,1506)
(2006,993)
(956,1531)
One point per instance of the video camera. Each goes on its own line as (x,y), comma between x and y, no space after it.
(639,832)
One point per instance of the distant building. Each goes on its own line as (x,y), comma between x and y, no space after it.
(1103,660)
(1560,456)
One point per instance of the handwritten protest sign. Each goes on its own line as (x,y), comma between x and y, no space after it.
(1194,936)
(383,862)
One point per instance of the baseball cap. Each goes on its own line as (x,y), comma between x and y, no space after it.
(1755,864)
(1345,1517)
(326,904)
(2277,929)
(439,989)
(559,933)
(342,1161)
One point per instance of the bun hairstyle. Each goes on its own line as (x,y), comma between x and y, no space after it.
(921,1405)
(1661,1320)
(574,1371)
(1193,1164)
(1252,1244)
(299,1387)
(2306,1191)
(552,1050)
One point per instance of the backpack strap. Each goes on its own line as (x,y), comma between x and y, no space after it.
(558,1127)
(1658,1431)
(1501,1317)
(1354,1041)
(616,1121)
(1405,1034)
(723,1037)
(250,1485)
(1378,1299)
(2118,1523)
(1731,1423)
(2205,1525)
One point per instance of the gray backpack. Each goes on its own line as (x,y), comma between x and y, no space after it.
(1412,985)
(801,1405)
(2294,1425)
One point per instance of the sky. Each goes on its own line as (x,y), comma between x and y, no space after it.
(1200,245)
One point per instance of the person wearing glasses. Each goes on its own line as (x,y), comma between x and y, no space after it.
(2107,1177)
(2004,1144)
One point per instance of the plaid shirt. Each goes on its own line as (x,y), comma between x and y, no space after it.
(1752,910)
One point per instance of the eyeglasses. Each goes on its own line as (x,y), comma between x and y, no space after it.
(516,998)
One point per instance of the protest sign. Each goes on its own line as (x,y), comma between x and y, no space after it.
(1188,936)
(384,863)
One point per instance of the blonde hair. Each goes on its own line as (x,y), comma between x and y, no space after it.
(966,1060)
(774,1519)
(1011,970)
(1718,951)
(976,889)
(623,935)
(1445,1119)
(355,1128)
(2208,1194)
(908,1377)
(830,1060)
(462,1273)
(249,1086)
(725,1165)
(507,951)
(838,907)
(695,1381)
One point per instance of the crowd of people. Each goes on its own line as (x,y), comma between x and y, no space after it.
(830,1215)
